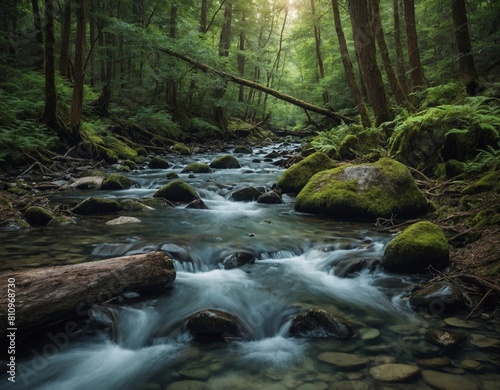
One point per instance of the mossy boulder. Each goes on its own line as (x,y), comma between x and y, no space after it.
(213,325)
(243,150)
(246,194)
(348,146)
(38,216)
(489,182)
(366,191)
(158,163)
(182,149)
(418,247)
(117,182)
(177,191)
(297,176)
(453,168)
(318,323)
(197,168)
(95,205)
(225,162)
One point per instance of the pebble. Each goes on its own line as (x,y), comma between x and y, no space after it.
(459,323)
(444,381)
(394,372)
(344,360)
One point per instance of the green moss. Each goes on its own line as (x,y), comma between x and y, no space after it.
(177,191)
(93,172)
(117,182)
(453,168)
(490,181)
(297,176)
(348,146)
(94,205)
(181,149)
(486,218)
(418,247)
(38,216)
(381,189)
(158,163)
(172,175)
(17,191)
(197,168)
(225,162)
(121,149)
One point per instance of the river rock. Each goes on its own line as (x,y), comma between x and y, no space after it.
(213,325)
(459,323)
(394,372)
(238,259)
(369,334)
(368,191)
(187,385)
(134,205)
(297,176)
(418,247)
(177,191)
(101,319)
(247,194)
(197,204)
(443,381)
(344,360)
(471,365)
(95,205)
(197,168)
(434,362)
(181,149)
(319,323)
(437,298)
(225,162)
(117,182)
(88,183)
(347,267)
(123,221)
(445,338)
(158,163)
(157,203)
(269,198)
(349,385)
(38,216)
(481,341)
(243,150)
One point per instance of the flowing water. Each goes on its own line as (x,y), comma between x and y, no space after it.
(296,255)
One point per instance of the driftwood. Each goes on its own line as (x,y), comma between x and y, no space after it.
(251,84)
(48,295)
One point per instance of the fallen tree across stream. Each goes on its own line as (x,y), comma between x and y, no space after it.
(270,91)
(49,295)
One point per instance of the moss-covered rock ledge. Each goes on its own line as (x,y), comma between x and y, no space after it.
(367,191)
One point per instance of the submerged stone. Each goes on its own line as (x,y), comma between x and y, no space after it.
(418,247)
(269,198)
(344,360)
(445,338)
(318,323)
(367,191)
(444,381)
(123,221)
(247,194)
(213,325)
(225,162)
(437,298)
(177,191)
(158,163)
(238,259)
(394,372)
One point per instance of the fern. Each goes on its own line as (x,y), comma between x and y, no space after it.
(329,141)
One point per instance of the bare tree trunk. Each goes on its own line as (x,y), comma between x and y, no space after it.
(349,70)
(319,57)
(203,16)
(172,33)
(50,294)
(241,56)
(399,48)
(365,47)
(64,63)
(75,115)
(464,47)
(416,71)
(399,94)
(37,23)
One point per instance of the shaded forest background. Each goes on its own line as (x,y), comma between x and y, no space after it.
(108,78)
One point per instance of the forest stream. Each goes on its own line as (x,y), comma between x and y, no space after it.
(296,256)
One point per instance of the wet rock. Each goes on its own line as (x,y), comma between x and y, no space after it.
(197,168)
(88,183)
(437,298)
(443,381)
(157,203)
(368,334)
(38,216)
(482,341)
(177,191)
(225,162)
(445,338)
(436,362)
(348,267)
(297,176)
(117,182)
(134,205)
(172,175)
(195,373)
(213,325)
(61,220)
(238,259)
(418,247)
(394,372)
(176,252)
(366,191)
(197,204)
(318,323)
(243,150)
(349,385)
(95,205)
(459,323)
(101,319)
(471,365)
(123,221)
(272,155)
(187,385)
(17,224)
(344,360)
(158,163)
(247,194)
(47,186)
(270,198)
(182,149)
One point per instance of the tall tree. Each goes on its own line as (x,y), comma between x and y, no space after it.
(75,115)
(349,70)
(172,33)
(37,23)
(365,49)
(203,16)
(399,94)
(398,47)
(241,55)
(416,71)
(317,41)
(464,47)
(50,110)
(64,63)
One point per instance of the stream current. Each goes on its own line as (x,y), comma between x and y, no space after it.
(296,255)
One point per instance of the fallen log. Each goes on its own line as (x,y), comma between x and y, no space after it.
(49,295)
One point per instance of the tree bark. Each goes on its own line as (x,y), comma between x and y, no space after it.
(399,48)
(203,16)
(64,67)
(52,294)
(399,94)
(349,70)
(464,47)
(171,87)
(241,56)
(263,88)
(416,71)
(367,56)
(319,57)
(37,23)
